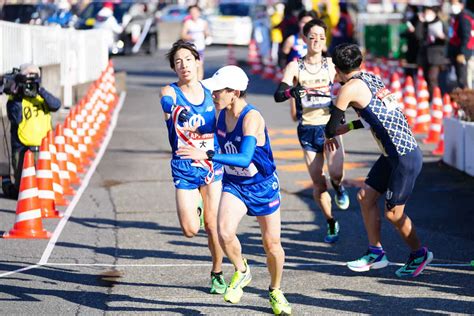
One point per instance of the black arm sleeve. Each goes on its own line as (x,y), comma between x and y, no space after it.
(282,59)
(52,102)
(334,121)
(280,95)
(357,124)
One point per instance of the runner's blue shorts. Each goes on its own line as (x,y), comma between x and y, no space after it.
(396,176)
(188,177)
(311,137)
(261,198)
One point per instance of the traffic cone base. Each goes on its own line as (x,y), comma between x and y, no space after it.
(28,222)
(21,233)
(439,151)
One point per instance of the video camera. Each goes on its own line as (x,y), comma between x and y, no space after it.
(16,83)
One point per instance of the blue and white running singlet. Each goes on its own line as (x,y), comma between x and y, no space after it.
(203,114)
(387,122)
(191,174)
(262,165)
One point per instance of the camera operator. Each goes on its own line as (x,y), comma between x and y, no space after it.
(28,109)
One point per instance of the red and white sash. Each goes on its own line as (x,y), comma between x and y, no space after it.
(184,138)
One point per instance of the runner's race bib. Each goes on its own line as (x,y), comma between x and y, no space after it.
(314,100)
(389,99)
(249,172)
(203,142)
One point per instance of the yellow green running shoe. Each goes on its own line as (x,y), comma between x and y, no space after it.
(280,305)
(218,285)
(200,211)
(239,281)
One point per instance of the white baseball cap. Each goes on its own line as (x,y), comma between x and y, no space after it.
(231,77)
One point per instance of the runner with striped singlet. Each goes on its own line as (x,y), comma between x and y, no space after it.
(250,184)
(396,170)
(185,102)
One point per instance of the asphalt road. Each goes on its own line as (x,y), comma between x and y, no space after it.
(122,250)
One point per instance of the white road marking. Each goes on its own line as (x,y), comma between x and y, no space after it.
(294,265)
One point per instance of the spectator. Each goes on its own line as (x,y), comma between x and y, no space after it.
(328,11)
(106,20)
(411,21)
(196,30)
(289,25)
(343,32)
(294,46)
(28,109)
(276,18)
(62,16)
(431,34)
(461,41)
(261,34)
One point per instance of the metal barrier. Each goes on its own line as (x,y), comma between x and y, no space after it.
(81,54)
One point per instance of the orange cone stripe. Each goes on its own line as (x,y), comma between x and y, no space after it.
(28,172)
(410,112)
(46,194)
(44,174)
(61,156)
(28,215)
(58,188)
(64,174)
(55,167)
(27,194)
(71,166)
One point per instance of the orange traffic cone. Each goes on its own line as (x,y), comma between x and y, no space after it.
(61,156)
(44,176)
(439,150)
(278,75)
(81,133)
(268,71)
(28,222)
(447,112)
(423,109)
(256,68)
(70,126)
(386,77)
(57,187)
(409,101)
(447,106)
(396,88)
(252,56)
(436,118)
(376,71)
(71,161)
(231,60)
(72,156)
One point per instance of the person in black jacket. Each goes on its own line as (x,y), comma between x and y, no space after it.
(432,35)
(461,40)
(411,21)
(28,109)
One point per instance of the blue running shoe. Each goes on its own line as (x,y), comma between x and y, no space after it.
(341,198)
(415,265)
(333,232)
(369,261)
